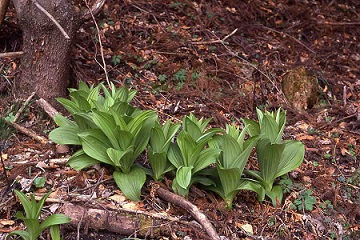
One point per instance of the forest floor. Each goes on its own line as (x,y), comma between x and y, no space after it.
(217,59)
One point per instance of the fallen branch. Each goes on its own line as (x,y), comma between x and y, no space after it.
(122,222)
(11,54)
(28,132)
(191,208)
(50,110)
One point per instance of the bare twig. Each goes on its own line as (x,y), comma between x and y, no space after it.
(51,18)
(222,41)
(103,66)
(17,115)
(11,54)
(191,208)
(337,23)
(296,40)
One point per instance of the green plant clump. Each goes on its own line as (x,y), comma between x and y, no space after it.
(109,130)
(31,219)
(275,156)
(112,131)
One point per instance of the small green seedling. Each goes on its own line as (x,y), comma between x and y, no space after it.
(32,215)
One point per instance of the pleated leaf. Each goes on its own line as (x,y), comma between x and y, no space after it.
(131,183)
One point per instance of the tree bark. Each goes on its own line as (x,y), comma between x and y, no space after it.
(3,7)
(45,64)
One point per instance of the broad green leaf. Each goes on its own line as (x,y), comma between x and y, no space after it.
(33,227)
(157,139)
(55,232)
(71,106)
(187,147)
(183,176)
(84,120)
(115,155)
(291,158)
(54,219)
(125,139)
(241,160)
(175,156)
(203,180)
(252,127)
(141,139)
(95,144)
(83,87)
(79,160)
(191,128)
(122,159)
(60,120)
(25,235)
(65,135)
(252,185)
(230,180)
(269,156)
(159,163)
(178,189)
(276,195)
(119,119)
(269,128)
(107,124)
(231,150)
(209,134)
(131,183)
(80,101)
(137,123)
(94,96)
(260,115)
(206,158)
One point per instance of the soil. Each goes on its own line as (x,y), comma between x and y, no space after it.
(217,59)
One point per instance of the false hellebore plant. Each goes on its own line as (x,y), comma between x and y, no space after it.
(31,218)
(190,154)
(109,130)
(231,161)
(160,140)
(275,156)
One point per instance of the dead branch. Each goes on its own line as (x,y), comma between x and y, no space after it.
(11,54)
(28,132)
(191,208)
(121,222)
(50,110)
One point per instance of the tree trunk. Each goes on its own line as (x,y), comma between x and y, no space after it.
(45,64)
(3,7)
